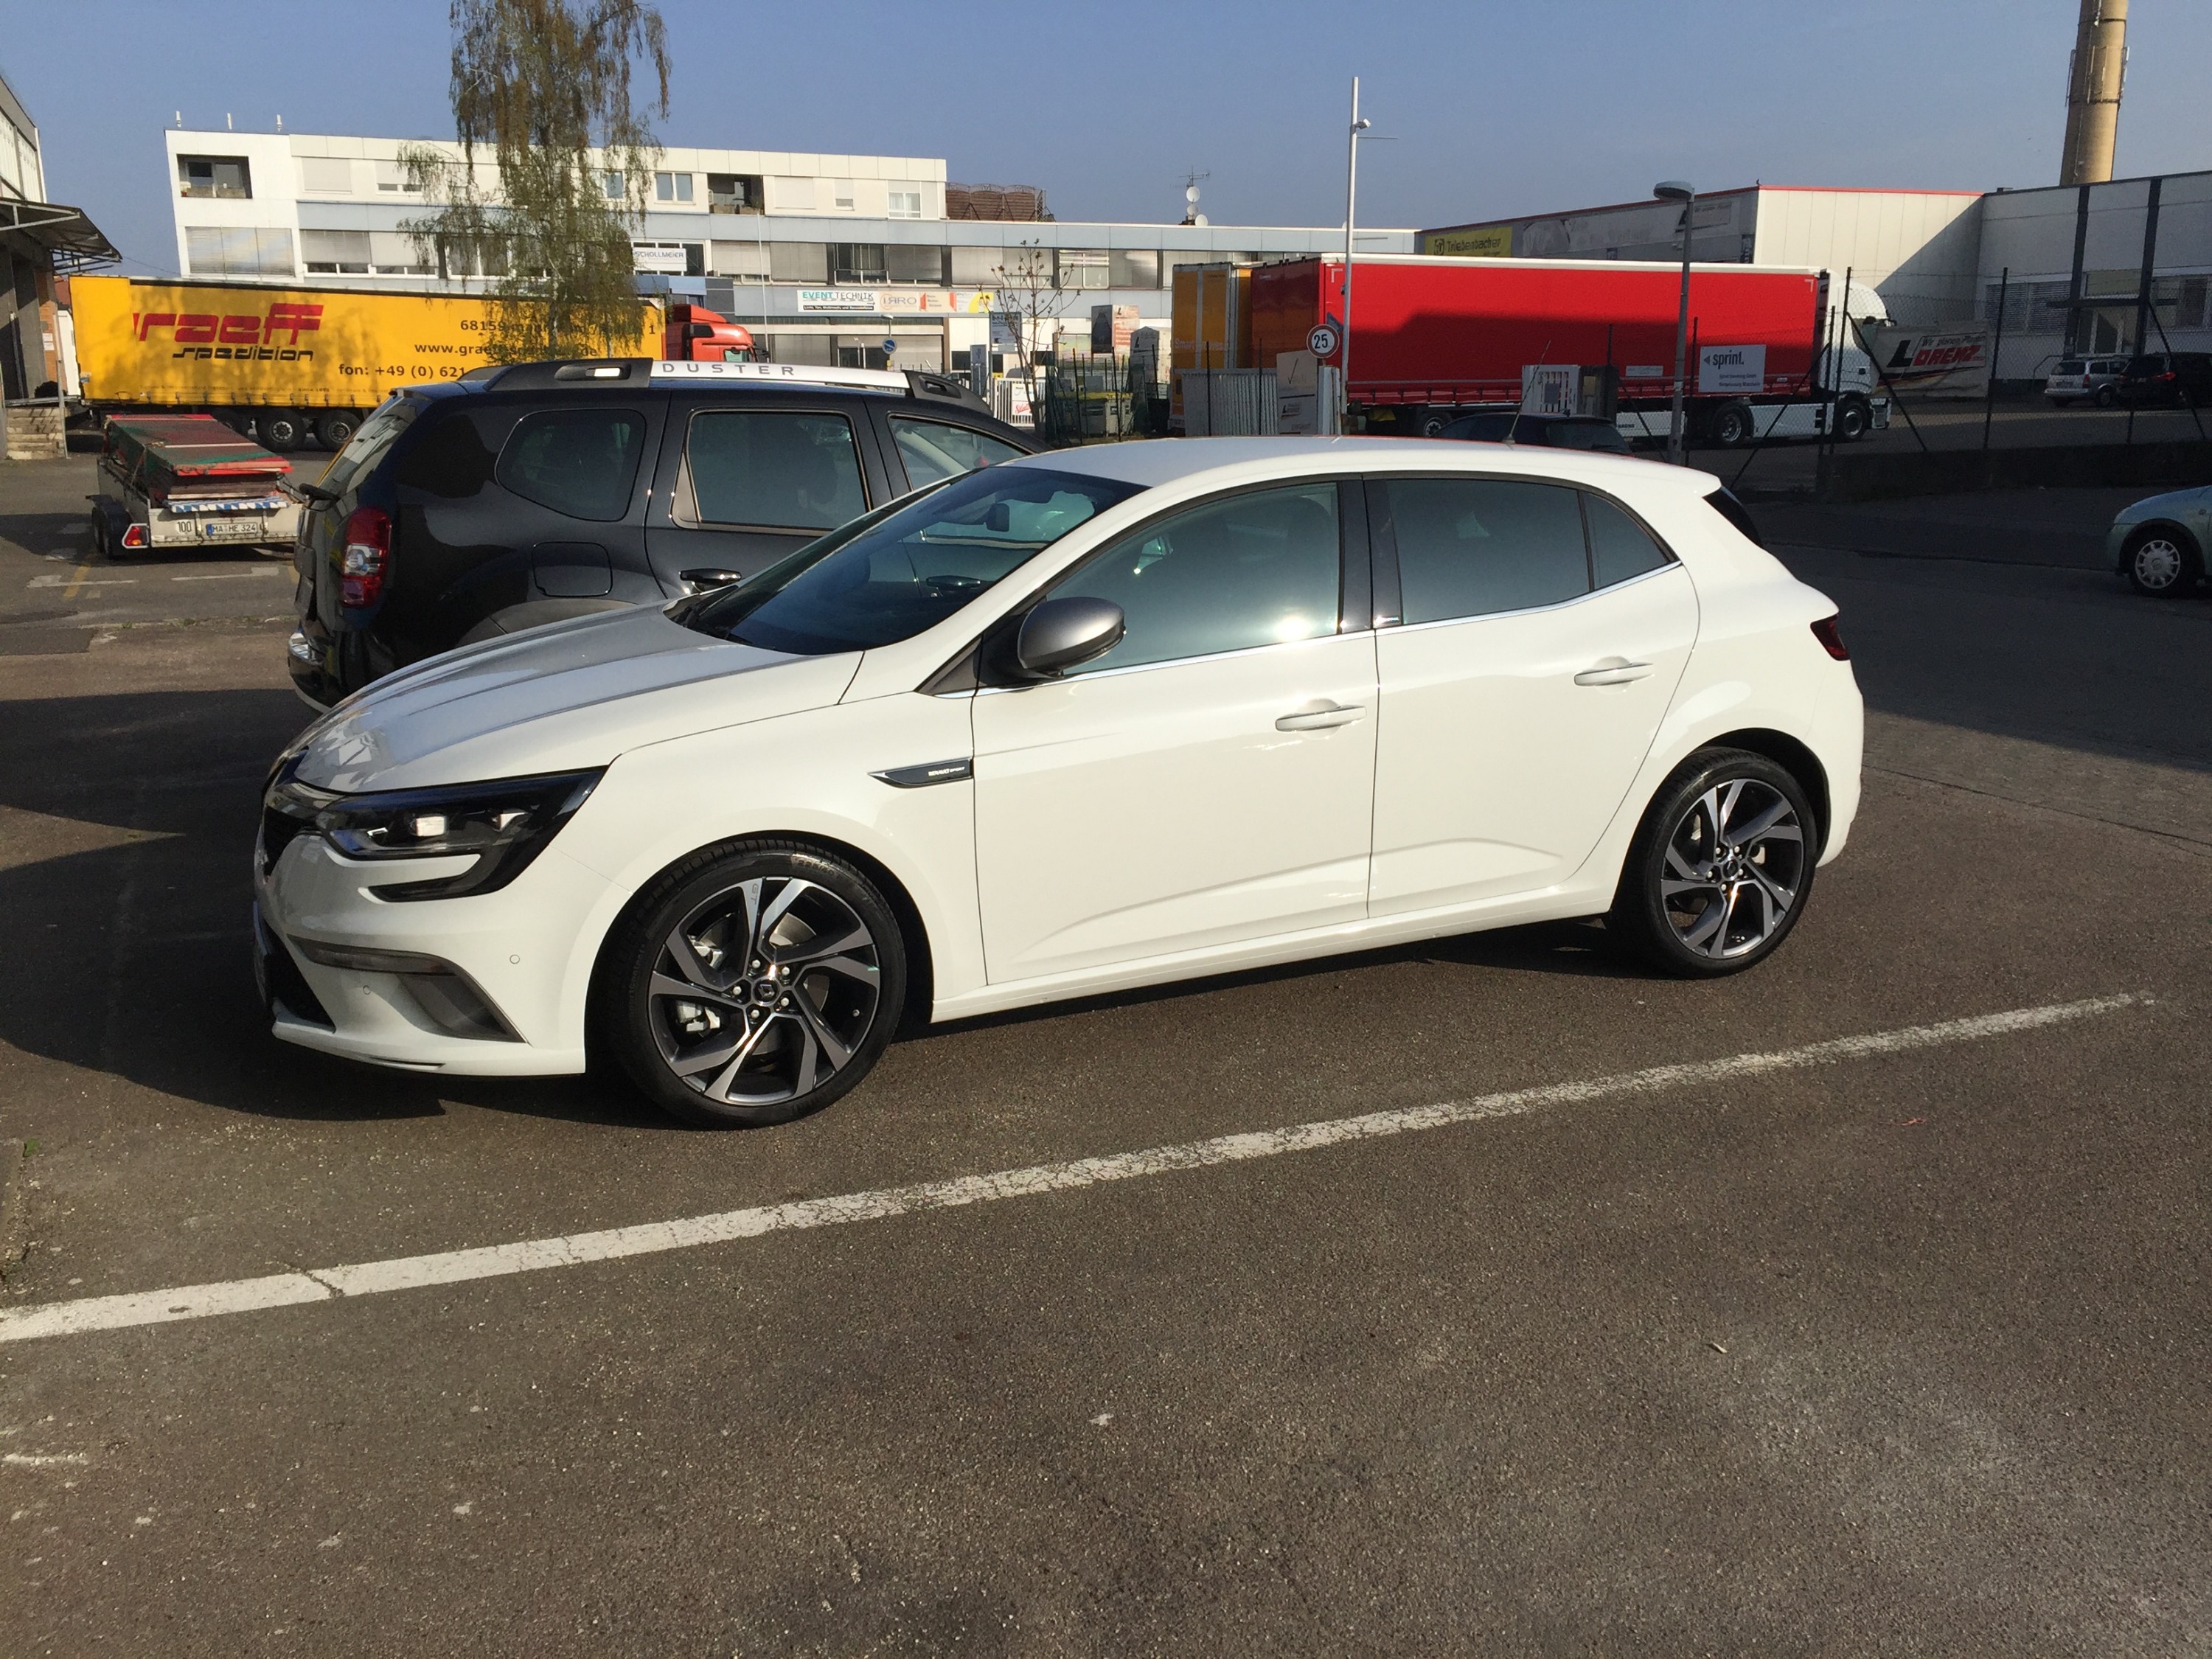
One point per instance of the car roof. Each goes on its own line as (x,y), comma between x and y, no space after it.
(1152,463)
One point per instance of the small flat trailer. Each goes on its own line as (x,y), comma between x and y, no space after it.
(172,481)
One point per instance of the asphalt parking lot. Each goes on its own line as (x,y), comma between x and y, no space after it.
(1806,1344)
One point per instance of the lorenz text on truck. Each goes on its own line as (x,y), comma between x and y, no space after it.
(307,364)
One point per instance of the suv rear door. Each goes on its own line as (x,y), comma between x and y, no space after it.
(749,477)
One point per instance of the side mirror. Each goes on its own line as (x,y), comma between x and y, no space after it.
(1062,633)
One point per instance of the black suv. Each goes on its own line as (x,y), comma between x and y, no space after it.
(526,495)
(2167,377)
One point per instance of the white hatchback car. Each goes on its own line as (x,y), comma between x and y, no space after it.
(1076,722)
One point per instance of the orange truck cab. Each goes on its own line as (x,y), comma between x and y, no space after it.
(697,335)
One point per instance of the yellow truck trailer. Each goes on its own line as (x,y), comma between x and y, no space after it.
(294,363)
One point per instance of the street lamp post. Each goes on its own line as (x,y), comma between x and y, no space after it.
(1678,190)
(1351,201)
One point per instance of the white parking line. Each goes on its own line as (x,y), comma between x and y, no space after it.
(233,575)
(107,1313)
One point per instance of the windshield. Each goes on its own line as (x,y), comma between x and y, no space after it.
(906,567)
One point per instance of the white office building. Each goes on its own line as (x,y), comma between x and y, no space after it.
(825,257)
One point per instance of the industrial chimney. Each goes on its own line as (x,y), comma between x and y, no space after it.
(2092,92)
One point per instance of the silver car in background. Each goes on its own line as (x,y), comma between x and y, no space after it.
(2158,543)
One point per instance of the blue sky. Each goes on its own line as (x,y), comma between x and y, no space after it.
(1494,108)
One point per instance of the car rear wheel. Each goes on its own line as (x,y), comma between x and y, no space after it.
(1720,868)
(2162,563)
(2104,397)
(754,984)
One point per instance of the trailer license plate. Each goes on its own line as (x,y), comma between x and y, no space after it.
(231,529)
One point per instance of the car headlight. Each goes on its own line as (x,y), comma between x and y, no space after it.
(504,824)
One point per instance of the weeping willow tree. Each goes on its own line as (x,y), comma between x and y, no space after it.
(553,170)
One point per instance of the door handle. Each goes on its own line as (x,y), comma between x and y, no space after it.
(1320,717)
(1614,670)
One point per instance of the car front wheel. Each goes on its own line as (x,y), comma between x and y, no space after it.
(2162,564)
(1720,868)
(754,984)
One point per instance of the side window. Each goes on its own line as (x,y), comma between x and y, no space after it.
(1619,547)
(1256,570)
(577,461)
(936,449)
(448,459)
(793,470)
(1469,547)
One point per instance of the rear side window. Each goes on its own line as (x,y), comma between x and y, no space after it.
(1619,547)
(2071,366)
(937,449)
(781,468)
(581,462)
(1472,547)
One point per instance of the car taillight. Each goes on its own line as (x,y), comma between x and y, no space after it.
(2169,375)
(365,563)
(1832,641)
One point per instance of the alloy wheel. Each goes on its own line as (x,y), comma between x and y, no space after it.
(1735,865)
(765,992)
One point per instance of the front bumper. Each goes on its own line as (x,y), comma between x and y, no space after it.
(517,949)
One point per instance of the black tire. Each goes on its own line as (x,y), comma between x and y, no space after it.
(1436,421)
(2162,563)
(1733,425)
(1663,913)
(2104,397)
(1853,420)
(675,1047)
(281,429)
(334,429)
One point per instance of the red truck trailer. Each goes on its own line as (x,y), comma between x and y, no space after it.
(1432,337)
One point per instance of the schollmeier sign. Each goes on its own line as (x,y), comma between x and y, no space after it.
(897,301)
(1732,368)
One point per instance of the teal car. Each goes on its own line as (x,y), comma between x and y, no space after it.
(2158,544)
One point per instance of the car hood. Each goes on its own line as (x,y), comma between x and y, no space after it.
(2156,506)
(557,699)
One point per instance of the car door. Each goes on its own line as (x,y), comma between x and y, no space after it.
(1209,780)
(1544,629)
(752,478)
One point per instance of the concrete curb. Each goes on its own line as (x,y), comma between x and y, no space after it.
(14,1209)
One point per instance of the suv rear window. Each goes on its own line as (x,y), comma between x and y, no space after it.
(577,461)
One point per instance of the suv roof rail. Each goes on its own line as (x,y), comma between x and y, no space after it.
(894,382)
(588,371)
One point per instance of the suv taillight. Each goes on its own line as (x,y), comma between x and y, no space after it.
(1830,641)
(367,556)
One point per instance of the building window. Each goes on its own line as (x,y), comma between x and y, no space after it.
(734,193)
(799,262)
(905,203)
(904,263)
(223,251)
(841,194)
(857,262)
(393,254)
(976,267)
(1135,267)
(671,187)
(225,177)
(325,175)
(392,176)
(1081,267)
(611,184)
(748,260)
(335,252)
